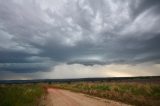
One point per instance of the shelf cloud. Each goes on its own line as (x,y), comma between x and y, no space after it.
(36,36)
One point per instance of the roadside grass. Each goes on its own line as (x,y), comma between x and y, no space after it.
(20,95)
(139,94)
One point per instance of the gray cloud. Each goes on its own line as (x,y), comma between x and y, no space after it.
(37,35)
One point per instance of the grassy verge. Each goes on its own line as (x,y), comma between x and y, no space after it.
(139,94)
(20,95)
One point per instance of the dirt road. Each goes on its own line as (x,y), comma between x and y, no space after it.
(58,97)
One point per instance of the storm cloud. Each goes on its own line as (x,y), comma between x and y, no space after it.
(38,35)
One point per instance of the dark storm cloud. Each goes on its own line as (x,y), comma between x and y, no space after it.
(144,5)
(24,67)
(36,35)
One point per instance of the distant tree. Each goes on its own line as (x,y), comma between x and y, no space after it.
(49,82)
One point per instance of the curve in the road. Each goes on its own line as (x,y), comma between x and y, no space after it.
(59,97)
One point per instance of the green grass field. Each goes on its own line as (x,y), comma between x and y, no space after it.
(139,94)
(20,95)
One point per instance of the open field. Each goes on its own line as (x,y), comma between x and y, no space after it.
(132,91)
(20,95)
(139,94)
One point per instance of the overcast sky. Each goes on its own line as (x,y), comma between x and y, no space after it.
(79,38)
